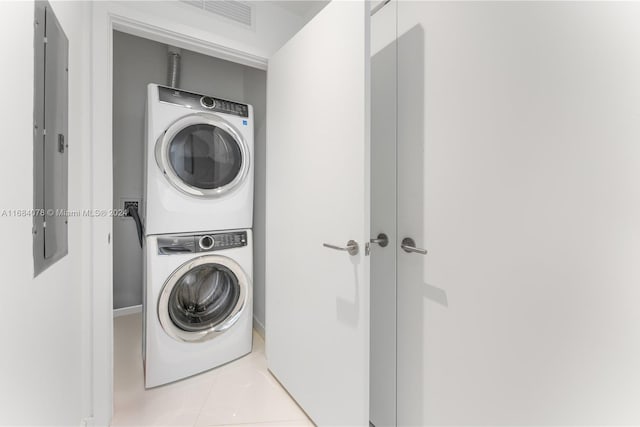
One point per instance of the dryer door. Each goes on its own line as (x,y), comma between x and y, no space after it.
(203,298)
(203,155)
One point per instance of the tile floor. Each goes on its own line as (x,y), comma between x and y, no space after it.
(241,393)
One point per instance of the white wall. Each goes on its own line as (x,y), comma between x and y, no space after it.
(44,359)
(137,62)
(518,170)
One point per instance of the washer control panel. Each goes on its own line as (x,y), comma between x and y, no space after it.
(173,245)
(221,241)
(199,102)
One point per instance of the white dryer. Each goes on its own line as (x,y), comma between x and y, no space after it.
(198,303)
(199,162)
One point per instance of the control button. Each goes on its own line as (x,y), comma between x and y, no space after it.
(207,102)
(206,242)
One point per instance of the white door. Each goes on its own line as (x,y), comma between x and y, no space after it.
(518,154)
(317,298)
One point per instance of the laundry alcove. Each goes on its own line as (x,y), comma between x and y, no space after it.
(302,101)
(137,62)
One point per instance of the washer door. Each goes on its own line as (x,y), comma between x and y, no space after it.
(203,298)
(202,155)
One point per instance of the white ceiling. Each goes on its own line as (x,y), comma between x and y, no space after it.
(306,9)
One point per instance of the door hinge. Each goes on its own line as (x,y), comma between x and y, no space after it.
(44,40)
(61,145)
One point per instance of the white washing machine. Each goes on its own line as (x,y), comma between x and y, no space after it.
(198,303)
(199,162)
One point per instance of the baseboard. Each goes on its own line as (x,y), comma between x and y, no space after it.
(127,310)
(258,327)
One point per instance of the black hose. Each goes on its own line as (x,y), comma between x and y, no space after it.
(133,211)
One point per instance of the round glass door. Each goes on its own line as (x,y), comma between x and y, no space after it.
(203,156)
(202,298)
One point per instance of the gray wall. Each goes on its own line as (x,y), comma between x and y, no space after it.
(138,62)
(255,92)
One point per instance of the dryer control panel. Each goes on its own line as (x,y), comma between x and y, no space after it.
(199,102)
(172,245)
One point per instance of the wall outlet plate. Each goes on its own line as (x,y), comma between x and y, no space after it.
(127,202)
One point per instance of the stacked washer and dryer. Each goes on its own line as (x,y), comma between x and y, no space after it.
(198,214)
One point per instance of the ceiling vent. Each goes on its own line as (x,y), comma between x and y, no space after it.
(236,11)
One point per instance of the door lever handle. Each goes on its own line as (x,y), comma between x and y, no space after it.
(409,246)
(352,247)
(382,240)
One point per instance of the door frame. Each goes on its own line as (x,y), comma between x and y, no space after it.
(105,18)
